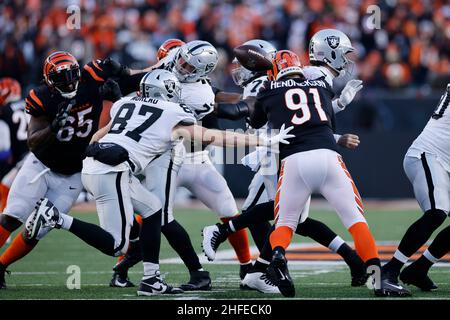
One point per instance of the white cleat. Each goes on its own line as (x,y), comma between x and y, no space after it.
(260,281)
(42,220)
(210,243)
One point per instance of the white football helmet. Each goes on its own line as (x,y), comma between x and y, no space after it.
(195,60)
(161,84)
(239,74)
(330,46)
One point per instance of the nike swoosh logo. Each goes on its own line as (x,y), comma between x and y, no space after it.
(282,275)
(159,288)
(397,287)
(72,188)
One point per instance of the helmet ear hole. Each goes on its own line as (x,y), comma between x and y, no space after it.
(333,55)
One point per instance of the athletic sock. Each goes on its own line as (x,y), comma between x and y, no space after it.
(4,235)
(420,231)
(94,236)
(4,190)
(180,241)
(150,238)
(258,222)
(281,237)
(65,221)
(239,242)
(317,231)
(150,269)
(260,265)
(18,249)
(364,241)
(266,252)
(441,244)
(347,253)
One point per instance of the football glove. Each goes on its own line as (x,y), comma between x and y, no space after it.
(115,68)
(348,93)
(281,137)
(110,90)
(62,115)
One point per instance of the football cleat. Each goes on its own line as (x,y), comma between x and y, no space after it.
(156,285)
(357,270)
(121,280)
(199,281)
(279,274)
(259,281)
(413,275)
(390,287)
(212,238)
(131,258)
(44,218)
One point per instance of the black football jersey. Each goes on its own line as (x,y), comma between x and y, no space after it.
(15,117)
(66,153)
(304,104)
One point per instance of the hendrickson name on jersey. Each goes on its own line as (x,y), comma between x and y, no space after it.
(294,83)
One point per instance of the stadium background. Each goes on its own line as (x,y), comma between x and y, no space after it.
(404,64)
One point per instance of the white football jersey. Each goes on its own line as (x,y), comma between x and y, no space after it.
(198,96)
(435,137)
(252,88)
(143,126)
(315,72)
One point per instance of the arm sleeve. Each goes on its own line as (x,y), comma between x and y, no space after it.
(232,111)
(258,116)
(129,84)
(100,70)
(34,105)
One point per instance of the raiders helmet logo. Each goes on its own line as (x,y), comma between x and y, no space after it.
(170,85)
(333,41)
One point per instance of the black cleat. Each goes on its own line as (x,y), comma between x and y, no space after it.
(279,274)
(358,270)
(390,287)
(156,285)
(121,280)
(2,276)
(244,269)
(199,281)
(413,275)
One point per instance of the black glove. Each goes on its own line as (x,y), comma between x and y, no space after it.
(115,68)
(110,90)
(62,115)
(108,153)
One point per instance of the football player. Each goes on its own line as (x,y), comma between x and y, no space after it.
(64,112)
(14,122)
(191,64)
(263,186)
(311,163)
(427,166)
(142,128)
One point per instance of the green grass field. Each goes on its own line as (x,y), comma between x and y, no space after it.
(42,274)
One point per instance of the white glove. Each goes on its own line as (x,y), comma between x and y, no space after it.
(348,93)
(279,138)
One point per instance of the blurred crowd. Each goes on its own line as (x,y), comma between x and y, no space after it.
(410,49)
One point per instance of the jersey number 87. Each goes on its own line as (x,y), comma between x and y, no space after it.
(124,114)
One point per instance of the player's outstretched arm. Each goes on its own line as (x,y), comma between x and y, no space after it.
(220,138)
(101,133)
